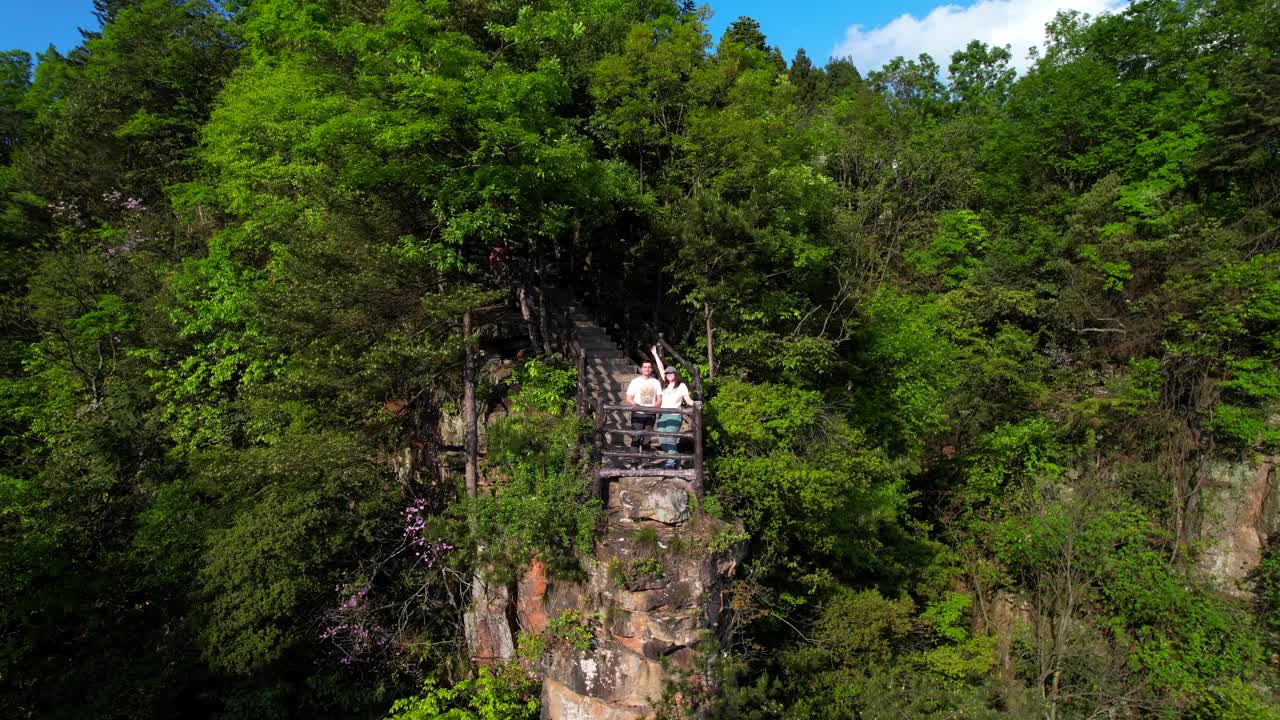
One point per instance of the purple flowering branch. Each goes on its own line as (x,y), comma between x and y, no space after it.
(124,202)
(429,552)
(361,627)
(351,628)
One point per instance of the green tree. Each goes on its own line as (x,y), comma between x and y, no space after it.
(746,32)
(810,82)
(15,78)
(912,86)
(980,75)
(841,74)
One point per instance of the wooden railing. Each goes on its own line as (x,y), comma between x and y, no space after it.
(620,459)
(617,459)
(580,399)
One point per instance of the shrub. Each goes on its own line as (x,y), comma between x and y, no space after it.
(508,694)
(541,503)
(546,384)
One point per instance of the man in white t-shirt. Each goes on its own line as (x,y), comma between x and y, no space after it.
(644,391)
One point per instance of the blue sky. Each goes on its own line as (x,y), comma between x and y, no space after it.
(32,24)
(869,32)
(815,25)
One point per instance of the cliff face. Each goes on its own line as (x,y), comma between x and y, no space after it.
(648,605)
(1239,515)
(654,592)
(647,609)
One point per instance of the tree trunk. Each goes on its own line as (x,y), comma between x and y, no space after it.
(526,314)
(470,443)
(707,312)
(1053,702)
(543,329)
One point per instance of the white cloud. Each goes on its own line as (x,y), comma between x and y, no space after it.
(947,28)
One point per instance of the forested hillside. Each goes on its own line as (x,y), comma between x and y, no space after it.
(977,348)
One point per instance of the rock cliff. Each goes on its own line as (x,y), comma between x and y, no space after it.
(647,608)
(1239,516)
(654,592)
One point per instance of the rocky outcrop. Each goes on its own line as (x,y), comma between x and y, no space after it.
(451,427)
(486,624)
(649,601)
(559,701)
(640,499)
(1240,514)
(654,592)
(531,598)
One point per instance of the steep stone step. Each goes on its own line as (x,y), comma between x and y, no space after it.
(610,371)
(607,397)
(599,370)
(608,380)
(591,332)
(610,363)
(613,379)
(597,346)
(619,367)
(609,354)
(600,377)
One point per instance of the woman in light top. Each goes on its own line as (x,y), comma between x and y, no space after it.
(674,394)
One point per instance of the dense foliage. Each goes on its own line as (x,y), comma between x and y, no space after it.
(973,344)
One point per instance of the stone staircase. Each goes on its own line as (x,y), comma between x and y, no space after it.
(604,373)
(655,585)
(608,370)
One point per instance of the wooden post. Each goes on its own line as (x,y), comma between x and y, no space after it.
(470,443)
(597,489)
(580,394)
(697,447)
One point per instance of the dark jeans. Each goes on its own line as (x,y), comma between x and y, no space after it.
(641,421)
